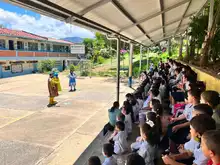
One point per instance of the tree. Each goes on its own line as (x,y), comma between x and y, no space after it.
(210,37)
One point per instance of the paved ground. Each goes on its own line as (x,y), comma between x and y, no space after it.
(31,133)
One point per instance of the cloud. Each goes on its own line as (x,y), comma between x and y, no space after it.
(44,25)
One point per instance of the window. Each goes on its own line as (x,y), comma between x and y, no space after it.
(58,48)
(67,49)
(48,47)
(20,45)
(2,44)
(32,46)
(42,46)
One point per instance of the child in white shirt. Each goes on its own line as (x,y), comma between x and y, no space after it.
(108,151)
(119,139)
(198,126)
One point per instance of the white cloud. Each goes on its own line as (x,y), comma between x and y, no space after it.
(44,26)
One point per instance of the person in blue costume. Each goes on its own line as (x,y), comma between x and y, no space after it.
(72,81)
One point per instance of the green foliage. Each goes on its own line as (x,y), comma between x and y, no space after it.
(72,67)
(84,73)
(100,60)
(45,65)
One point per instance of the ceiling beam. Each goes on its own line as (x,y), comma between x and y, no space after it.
(154,15)
(125,12)
(162,15)
(170,23)
(167,33)
(187,7)
(93,6)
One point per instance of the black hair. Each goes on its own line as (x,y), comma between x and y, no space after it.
(155,101)
(115,105)
(155,92)
(212,97)
(178,70)
(127,107)
(204,109)
(135,159)
(121,117)
(212,141)
(94,160)
(128,95)
(196,94)
(203,123)
(151,133)
(120,125)
(108,149)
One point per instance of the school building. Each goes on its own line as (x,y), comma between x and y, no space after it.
(20,52)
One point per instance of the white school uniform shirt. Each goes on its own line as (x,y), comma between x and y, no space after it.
(147,152)
(128,123)
(136,145)
(110,161)
(200,158)
(191,145)
(140,103)
(120,142)
(136,110)
(188,111)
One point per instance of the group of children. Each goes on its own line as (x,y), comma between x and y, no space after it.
(54,85)
(178,121)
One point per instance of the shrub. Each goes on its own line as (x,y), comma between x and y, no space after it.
(72,67)
(45,65)
(84,73)
(100,60)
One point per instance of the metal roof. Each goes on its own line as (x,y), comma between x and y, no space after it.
(143,21)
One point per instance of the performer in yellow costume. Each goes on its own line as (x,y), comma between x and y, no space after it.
(53,89)
(56,78)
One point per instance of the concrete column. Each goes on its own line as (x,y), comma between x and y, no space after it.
(147,61)
(181,48)
(169,47)
(6,44)
(15,44)
(51,47)
(141,47)
(130,65)
(39,46)
(118,66)
(211,14)
(25,45)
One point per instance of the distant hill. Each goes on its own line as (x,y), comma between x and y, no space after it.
(73,39)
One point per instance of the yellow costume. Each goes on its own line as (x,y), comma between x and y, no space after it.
(53,90)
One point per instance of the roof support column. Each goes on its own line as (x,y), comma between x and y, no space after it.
(169,47)
(118,67)
(130,65)
(141,48)
(181,48)
(211,12)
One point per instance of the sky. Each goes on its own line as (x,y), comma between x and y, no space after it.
(14,17)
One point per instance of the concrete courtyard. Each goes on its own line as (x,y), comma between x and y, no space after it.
(32,134)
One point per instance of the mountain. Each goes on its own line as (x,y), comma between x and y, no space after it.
(73,39)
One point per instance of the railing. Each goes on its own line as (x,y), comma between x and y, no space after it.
(21,53)
(35,50)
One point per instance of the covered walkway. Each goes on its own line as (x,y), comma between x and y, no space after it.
(142,22)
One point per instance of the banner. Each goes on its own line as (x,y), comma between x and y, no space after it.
(16,68)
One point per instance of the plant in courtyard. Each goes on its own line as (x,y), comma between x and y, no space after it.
(72,67)
(100,60)
(45,65)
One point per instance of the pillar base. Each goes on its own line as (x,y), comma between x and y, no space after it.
(130,81)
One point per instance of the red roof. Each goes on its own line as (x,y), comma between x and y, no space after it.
(24,34)
(18,33)
(60,41)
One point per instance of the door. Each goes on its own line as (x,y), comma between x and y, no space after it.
(64,64)
(11,44)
